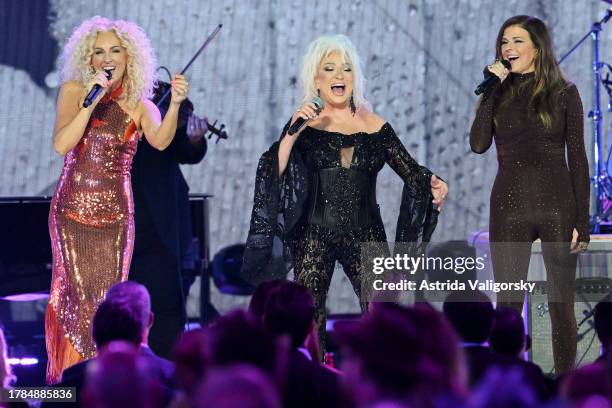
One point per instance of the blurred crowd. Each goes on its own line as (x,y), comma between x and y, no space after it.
(469,355)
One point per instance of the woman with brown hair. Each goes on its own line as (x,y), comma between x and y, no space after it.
(536,115)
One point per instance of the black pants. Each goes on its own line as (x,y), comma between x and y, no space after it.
(315,254)
(530,202)
(157,269)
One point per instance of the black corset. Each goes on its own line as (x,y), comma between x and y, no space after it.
(342,199)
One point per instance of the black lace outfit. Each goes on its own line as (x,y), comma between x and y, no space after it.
(323,208)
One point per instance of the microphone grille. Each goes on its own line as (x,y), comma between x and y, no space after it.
(507,64)
(318,102)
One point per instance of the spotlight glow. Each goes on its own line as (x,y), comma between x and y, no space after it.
(24,361)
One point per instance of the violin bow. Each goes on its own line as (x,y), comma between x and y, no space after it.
(208,40)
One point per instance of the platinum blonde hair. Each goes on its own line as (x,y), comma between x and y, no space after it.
(6,375)
(140,75)
(319,49)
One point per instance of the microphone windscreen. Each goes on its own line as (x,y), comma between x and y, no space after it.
(507,64)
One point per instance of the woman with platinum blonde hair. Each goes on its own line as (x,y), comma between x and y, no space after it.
(91,221)
(347,52)
(316,188)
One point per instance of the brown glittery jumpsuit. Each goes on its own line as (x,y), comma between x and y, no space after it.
(536,195)
(91,224)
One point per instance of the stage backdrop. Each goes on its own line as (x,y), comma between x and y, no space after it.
(422,59)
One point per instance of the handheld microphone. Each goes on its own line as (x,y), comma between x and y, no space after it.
(96,89)
(489,81)
(300,121)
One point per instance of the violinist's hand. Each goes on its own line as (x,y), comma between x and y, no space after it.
(196,128)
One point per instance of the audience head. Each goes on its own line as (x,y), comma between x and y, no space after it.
(503,389)
(395,352)
(136,297)
(586,382)
(239,385)
(126,309)
(114,321)
(508,334)
(6,375)
(603,321)
(290,310)
(192,359)
(119,378)
(260,296)
(240,337)
(471,315)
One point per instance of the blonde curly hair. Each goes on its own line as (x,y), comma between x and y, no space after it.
(140,77)
(6,375)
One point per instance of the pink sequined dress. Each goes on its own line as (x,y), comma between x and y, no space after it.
(91,224)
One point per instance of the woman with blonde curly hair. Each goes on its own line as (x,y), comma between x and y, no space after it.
(91,221)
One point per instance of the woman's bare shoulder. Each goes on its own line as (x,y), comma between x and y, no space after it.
(71,94)
(145,105)
(72,86)
(372,121)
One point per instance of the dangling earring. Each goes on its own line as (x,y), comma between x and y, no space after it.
(319,93)
(352,104)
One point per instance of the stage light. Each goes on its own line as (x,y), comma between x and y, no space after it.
(52,80)
(24,361)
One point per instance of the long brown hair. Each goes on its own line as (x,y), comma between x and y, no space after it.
(548,80)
